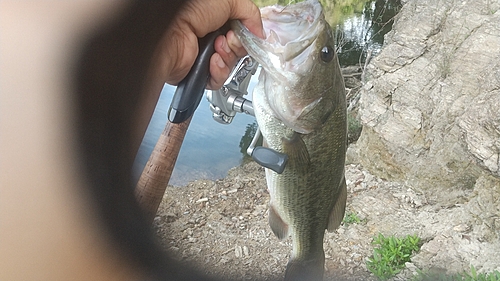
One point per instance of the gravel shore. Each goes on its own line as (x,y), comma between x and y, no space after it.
(221,226)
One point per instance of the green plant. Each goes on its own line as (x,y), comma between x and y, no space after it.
(391,254)
(493,276)
(351,218)
(466,276)
(354,128)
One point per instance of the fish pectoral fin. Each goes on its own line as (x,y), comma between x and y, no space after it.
(278,226)
(338,210)
(296,150)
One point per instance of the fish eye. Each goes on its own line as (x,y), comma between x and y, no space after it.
(327,54)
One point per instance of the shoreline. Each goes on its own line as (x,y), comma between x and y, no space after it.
(222,227)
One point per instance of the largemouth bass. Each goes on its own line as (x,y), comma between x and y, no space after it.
(300,107)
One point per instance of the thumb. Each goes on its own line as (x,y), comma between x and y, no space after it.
(249,14)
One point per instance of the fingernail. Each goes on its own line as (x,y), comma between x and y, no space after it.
(237,43)
(220,62)
(225,46)
(233,40)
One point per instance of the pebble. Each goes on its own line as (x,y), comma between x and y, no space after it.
(205,199)
(411,267)
(242,220)
(238,251)
(461,228)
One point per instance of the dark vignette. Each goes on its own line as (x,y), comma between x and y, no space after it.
(108,79)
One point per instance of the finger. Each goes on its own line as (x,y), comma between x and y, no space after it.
(219,72)
(230,50)
(210,15)
(176,54)
(222,48)
(235,45)
(249,14)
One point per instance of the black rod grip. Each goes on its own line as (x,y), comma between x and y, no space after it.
(190,90)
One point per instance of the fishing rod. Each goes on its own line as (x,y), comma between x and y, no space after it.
(156,174)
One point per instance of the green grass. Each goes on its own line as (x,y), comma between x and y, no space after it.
(466,276)
(351,218)
(390,254)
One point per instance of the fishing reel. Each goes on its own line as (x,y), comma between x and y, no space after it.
(229,100)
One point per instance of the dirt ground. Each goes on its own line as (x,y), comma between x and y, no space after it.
(221,226)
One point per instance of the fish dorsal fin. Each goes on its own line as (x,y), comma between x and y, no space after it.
(278,226)
(338,210)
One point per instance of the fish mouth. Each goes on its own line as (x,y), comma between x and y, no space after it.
(290,35)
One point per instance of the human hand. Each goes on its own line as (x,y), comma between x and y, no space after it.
(179,46)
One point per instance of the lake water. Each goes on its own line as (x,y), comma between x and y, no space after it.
(210,149)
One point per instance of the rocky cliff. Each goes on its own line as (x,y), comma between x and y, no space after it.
(430,106)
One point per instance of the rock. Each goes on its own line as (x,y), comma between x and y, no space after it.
(170,217)
(461,252)
(238,252)
(232,191)
(430,104)
(461,228)
(238,244)
(205,199)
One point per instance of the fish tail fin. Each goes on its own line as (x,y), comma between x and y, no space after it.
(305,270)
